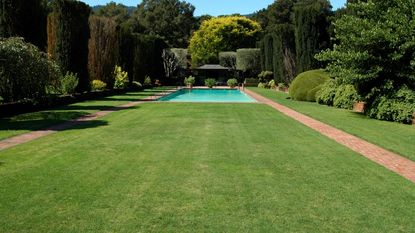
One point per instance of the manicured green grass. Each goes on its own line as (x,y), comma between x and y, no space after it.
(163,167)
(37,120)
(396,137)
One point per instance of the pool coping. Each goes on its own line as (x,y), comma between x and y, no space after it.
(255,101)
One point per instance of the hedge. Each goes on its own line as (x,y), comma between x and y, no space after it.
(249,61)
(227,59)
(307,84)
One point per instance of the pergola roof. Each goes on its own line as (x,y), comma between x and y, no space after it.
(212,67)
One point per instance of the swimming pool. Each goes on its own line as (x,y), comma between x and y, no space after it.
(208,95)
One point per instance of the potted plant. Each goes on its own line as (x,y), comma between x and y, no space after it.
(189,81)
(210,82)
(232,82)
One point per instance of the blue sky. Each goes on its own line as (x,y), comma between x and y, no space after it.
(216,7)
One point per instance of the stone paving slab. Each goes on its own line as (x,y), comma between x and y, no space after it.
(387,159)
(27,137)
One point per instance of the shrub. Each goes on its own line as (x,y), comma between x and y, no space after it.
(228,59)
(147,81)
(121,78)
(25,71)
(271,84)
(69,83)
(265,76)
(397,107)
(98,85)
(210,82)
(232,82)
(262,85)
(346,96)
(181,56)
(282,86)
(307,84)
(251,82)
(189,80)
(327,93)
(248,61)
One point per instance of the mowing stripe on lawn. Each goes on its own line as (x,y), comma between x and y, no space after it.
(388,159)
(27,137)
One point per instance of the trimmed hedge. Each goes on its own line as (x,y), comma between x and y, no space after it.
(227,59)
(307,84)
(346,96)
(249,61)
(181,55)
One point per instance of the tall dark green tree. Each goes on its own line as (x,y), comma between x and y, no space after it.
(311,31)
(24,18)
(72,34)
(172,20)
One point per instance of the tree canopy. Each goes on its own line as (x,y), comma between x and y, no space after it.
(222,34)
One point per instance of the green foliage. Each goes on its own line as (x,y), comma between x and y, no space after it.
(262,85)
(307,84)
(181,56)
(98,85)
(227,59)
(232,82)
(25,19)
(271,84)
(189,80)
(72,34)
(265,76)
(249,61)
(121,78)
(375,51)
(284,55)
(222,34)
(172,20)
(210,82)
(345,97)
(25,71)
(114,11)
(251,82)
(398,106)
(147,81)
(327,93)
(311,31)
(69,83)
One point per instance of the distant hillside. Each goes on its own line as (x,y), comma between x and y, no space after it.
(130,8)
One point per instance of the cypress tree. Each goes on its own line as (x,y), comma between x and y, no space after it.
(283,53)
(268,52)
(24,18)
(72,34)
(311,31)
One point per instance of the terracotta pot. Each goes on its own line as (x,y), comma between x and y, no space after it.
(359,107)
(190,86)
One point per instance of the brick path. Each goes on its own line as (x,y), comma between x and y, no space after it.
(27,137)
(389,160)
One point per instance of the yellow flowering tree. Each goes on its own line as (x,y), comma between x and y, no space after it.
(222,34)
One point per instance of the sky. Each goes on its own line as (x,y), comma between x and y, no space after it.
(216,7)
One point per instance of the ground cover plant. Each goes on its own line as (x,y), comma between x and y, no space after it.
(24,123)
(392,136)
(228,167)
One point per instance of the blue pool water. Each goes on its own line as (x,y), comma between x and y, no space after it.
(208,95)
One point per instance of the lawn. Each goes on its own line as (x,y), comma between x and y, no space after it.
(164,167)
(37,120)
(396,137)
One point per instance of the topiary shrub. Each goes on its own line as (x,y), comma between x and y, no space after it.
(307,84)
(232,82)
(249,61)
(98,85)
(228,59)
(398,106)
(327,93)
(210,82)
(345,97)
